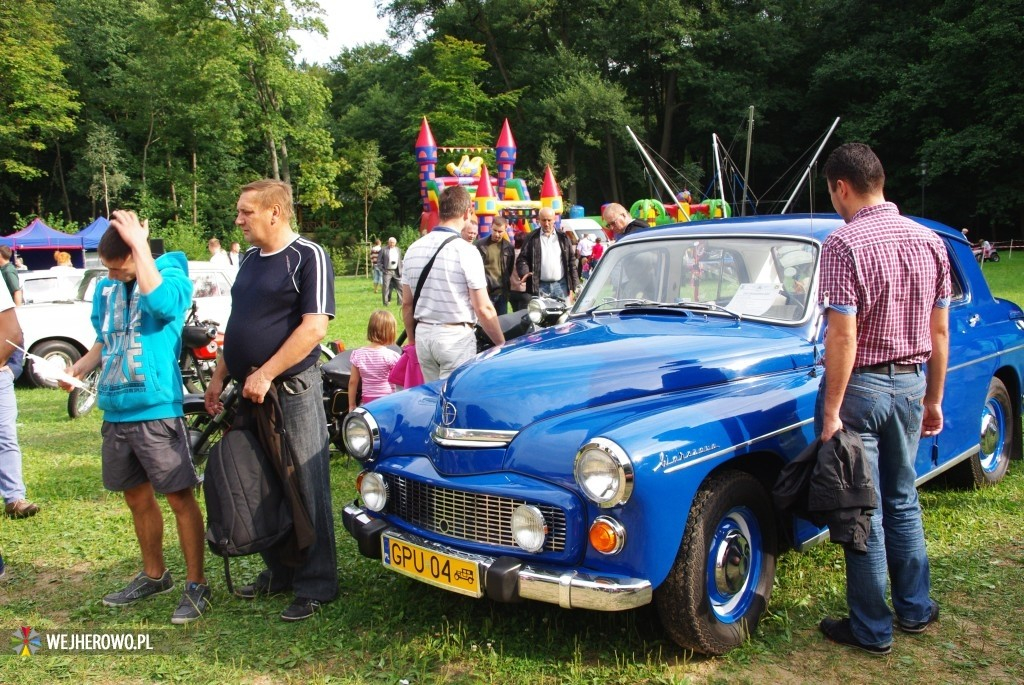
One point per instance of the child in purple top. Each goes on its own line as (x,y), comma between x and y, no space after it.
(373,363)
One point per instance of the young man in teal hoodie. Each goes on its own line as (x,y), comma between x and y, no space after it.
(138,313)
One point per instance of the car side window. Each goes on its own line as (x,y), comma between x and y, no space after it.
(206,285)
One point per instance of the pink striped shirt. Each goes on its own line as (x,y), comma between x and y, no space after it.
(374,364)
(890,272)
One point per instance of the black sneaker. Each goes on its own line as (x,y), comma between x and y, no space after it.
(195,601)
(142,586)
(838,630)
(300,609)
(258,589)
(919,626)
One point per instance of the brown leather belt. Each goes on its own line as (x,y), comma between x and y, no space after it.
(888,368)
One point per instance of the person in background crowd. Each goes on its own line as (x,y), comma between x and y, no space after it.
(235,254)
(217,254)
(471,230)
(390,264)
(584,250)
(10,274)
(499,263)
(284,290)
(597,252)
(517,296)
(12,482)
(371,365)
(885,290)
(378,277)
(138,312)
(19,263)
(454,293)
(619,221)
(63,261)
(550,260)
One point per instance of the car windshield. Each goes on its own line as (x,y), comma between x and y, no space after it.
(739,276)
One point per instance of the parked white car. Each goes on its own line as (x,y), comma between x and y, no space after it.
(62,331)
(50,285)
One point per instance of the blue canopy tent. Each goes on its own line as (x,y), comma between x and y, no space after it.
(37,242)
(92,233)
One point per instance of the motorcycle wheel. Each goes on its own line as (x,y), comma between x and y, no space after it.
(81,402)
(194,373)
(204,431)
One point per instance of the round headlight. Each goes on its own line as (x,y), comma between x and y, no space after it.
(535,310)
(374,491)
(529,528)
(604,473)
(360,434)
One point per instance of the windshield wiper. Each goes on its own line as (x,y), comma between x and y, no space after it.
(709,306)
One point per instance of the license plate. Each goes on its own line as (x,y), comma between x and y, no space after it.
(435,568)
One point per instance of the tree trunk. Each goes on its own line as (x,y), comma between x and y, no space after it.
(195,191)
(286,171)
(106,196)
(145,150)
(63,187)
(174,192)
(570,169)
(668,113)
(275,171)
(613,181)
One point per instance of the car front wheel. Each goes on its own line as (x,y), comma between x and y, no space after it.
(996,443)
(722,577)
(61,354)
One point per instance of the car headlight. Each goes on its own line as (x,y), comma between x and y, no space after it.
(529,527)
(373,490)
(604,473)
(535,310)
(360,434)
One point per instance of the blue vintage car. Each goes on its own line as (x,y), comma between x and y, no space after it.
(627,455)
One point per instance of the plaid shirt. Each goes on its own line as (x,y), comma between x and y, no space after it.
(890,272)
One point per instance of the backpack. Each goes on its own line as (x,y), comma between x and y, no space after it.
(246,508)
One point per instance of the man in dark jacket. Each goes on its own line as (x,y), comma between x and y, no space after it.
(499,260)
(550,259)
(619,221)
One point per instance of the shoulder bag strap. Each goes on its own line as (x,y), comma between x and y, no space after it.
(426,270)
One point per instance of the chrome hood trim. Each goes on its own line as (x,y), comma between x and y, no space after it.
(471,437)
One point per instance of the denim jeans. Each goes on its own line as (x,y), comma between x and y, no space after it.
(500,301)
(12,485)
(440,349)
(886,410)
(554,289)
(306,427)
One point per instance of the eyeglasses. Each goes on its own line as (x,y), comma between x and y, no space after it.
(611,222)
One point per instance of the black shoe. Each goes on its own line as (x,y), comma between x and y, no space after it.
(258,589)
(919,626)
(142,586)
(838,630)
(300,609)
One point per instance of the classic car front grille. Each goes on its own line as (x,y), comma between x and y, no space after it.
(484,519)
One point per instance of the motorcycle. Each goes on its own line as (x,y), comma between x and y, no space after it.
(201,342)
(336,370)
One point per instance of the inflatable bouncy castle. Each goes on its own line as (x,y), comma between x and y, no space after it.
(506,195)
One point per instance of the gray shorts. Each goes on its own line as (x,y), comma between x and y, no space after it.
(157,451)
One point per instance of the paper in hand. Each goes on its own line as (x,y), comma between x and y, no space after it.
(50,371)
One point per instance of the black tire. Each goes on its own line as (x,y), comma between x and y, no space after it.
(194,374)
(996,443)
(203,429)
(63,352)
(712,607)
(994,257)
(81,402)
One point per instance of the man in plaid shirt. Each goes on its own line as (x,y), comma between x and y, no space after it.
(885,289)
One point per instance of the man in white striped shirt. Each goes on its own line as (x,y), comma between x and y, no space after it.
(453,298)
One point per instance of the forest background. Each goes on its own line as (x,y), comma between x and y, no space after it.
(168,106)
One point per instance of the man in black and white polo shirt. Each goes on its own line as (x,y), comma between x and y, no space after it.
(454,295)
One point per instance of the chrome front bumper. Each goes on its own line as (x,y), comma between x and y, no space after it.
(508,579)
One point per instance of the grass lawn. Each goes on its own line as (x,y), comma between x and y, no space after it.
(387,629)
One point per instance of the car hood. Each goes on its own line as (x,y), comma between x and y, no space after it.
(593,362)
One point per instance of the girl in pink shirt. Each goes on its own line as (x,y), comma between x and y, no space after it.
(373,363)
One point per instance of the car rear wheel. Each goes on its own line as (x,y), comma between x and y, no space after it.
(722,577)
(61,354)
(996,443)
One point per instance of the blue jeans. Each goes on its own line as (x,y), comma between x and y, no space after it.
(499,301)
(554,289)
(12,485)
(886,410)
(306,428)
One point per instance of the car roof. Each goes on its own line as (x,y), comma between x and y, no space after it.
(813,226)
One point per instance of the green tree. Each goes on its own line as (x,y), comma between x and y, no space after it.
(36,103)
(367,185)
(103,159)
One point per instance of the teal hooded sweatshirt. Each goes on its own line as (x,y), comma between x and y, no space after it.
(141,335)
